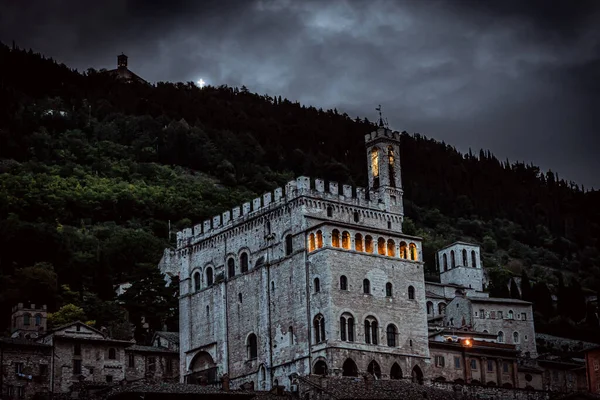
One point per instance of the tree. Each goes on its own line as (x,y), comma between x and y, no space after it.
(514,289)
(67,314)
(526,290)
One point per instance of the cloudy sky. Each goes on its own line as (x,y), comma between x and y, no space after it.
(521,78)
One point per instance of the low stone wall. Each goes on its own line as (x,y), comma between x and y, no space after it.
(495,393)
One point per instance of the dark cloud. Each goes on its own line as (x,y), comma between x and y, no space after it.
(518,77)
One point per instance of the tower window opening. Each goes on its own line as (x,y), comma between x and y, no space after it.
(335,238)
(311,242)
(391,335)
(465,259)
(388,289)
(346,240)
(347,327)
(319,239)
(452,259)
(369,244)
(196,281)
(411,293)
(291,334)
(375,166)
(391,161)
(381,246)
(252,347)
(389,224)
(231,267)
(445,258)
(371,331)
(288,245)
(244,262)
(317,285)
(403,250)
(358,242)
(473,259)
(356,216)
(329,211)
(319,328)
(343,283)
(413,252)
(391,247)
(209,276)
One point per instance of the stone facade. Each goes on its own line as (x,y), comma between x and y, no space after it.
(151,363)
(460,263)
(510,319)
(84,353)
(28,320)
(25,368)
(308,278)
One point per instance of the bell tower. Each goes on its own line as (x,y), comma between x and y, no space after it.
(122,61)
(383,166)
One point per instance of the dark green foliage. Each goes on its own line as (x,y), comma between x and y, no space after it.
(92,170)
(514,290)
(526,289)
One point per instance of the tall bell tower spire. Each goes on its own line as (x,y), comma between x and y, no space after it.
(383,165)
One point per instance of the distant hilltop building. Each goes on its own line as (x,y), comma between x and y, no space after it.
(124,73)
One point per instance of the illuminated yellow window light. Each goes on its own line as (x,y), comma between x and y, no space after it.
(346,240)
(358,242)
(335,238)
(375,162)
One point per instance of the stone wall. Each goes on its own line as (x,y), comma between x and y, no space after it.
(493,393)
(25,368)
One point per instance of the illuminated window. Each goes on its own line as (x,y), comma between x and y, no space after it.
(403,250)
(358,242)
(346,240)
(375,162)
(319,239)
(311,242)
(335,238)
(391,248)
(368,244)
(381,246)
(413,252)
(391,159)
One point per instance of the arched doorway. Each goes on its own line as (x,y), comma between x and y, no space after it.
(417,375)
(349,368)
(320,368)
(396,372)
(374,369)
(203,369)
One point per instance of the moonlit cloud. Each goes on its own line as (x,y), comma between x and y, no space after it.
(518,78)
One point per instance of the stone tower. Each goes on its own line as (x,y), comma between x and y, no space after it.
(28,320)
(460,264)
(383,165)
(122,61)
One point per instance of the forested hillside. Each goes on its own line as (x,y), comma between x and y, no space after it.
(93,171)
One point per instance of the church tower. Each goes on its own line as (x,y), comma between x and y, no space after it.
(383,165)
(122,61)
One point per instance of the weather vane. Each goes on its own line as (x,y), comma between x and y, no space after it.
(382,123)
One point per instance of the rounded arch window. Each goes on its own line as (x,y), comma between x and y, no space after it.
(500,337)
(388,289)
(391,248)
(319,328)
(464,257)
(244,262)
(391,333)
(343,282)
(196,281)
(231,267)
(403,250)
(368,244)
(381,246)
(371,330)
(319,239)
(347,327)
(366,286)
(209,276)
(346,240)
(516,338)
(320,368)
(26,319)
(358,242)
(252,346)
(412,248)
(335,238)
(411,293)
(311,242)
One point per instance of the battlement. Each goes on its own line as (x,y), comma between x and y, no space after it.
(302,186)
(382,133)
(30,307)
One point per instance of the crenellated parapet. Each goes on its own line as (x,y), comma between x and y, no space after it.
(301,187)
(383,134)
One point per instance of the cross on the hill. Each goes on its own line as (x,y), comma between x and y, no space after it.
(201,83)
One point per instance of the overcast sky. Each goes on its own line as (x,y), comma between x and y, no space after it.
(521,78)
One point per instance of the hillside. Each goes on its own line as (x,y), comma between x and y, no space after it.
(93,172)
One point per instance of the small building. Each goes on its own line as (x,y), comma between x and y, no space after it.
(157,364)
(592,367)
(83,353)
(24,369)
(28,321)
(167,340)
(563,375)
(123,73)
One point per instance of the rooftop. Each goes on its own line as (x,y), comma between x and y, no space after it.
(459,243)
(498,300)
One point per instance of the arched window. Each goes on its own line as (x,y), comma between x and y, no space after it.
(429,309)
(388,289)
(358,242)
(403,250)
(445,262)
(267,228)
(244,262)
(381,246)
(374,369)
(413,252)
(349,368)
(335,238)
(343,283)
(317,285)
(511,314)
(329,211)
(411,293)
(366,286)
(391,248)
(231,267)
(375,166)
(112,354)
(452,259)
(391,158)
(196,281)
(319,239)
(252,347)
(500,337)
(371,330)
(209,276)
(320,368)
(311,242)
(38,319)
(391,332)
(396,371)
(319,328)
(288,245)
(442,308)
(368,244)
(347,327)
(465,258)
(473,259)
(346,240)
(291,334)
(26,319)
(516,338)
